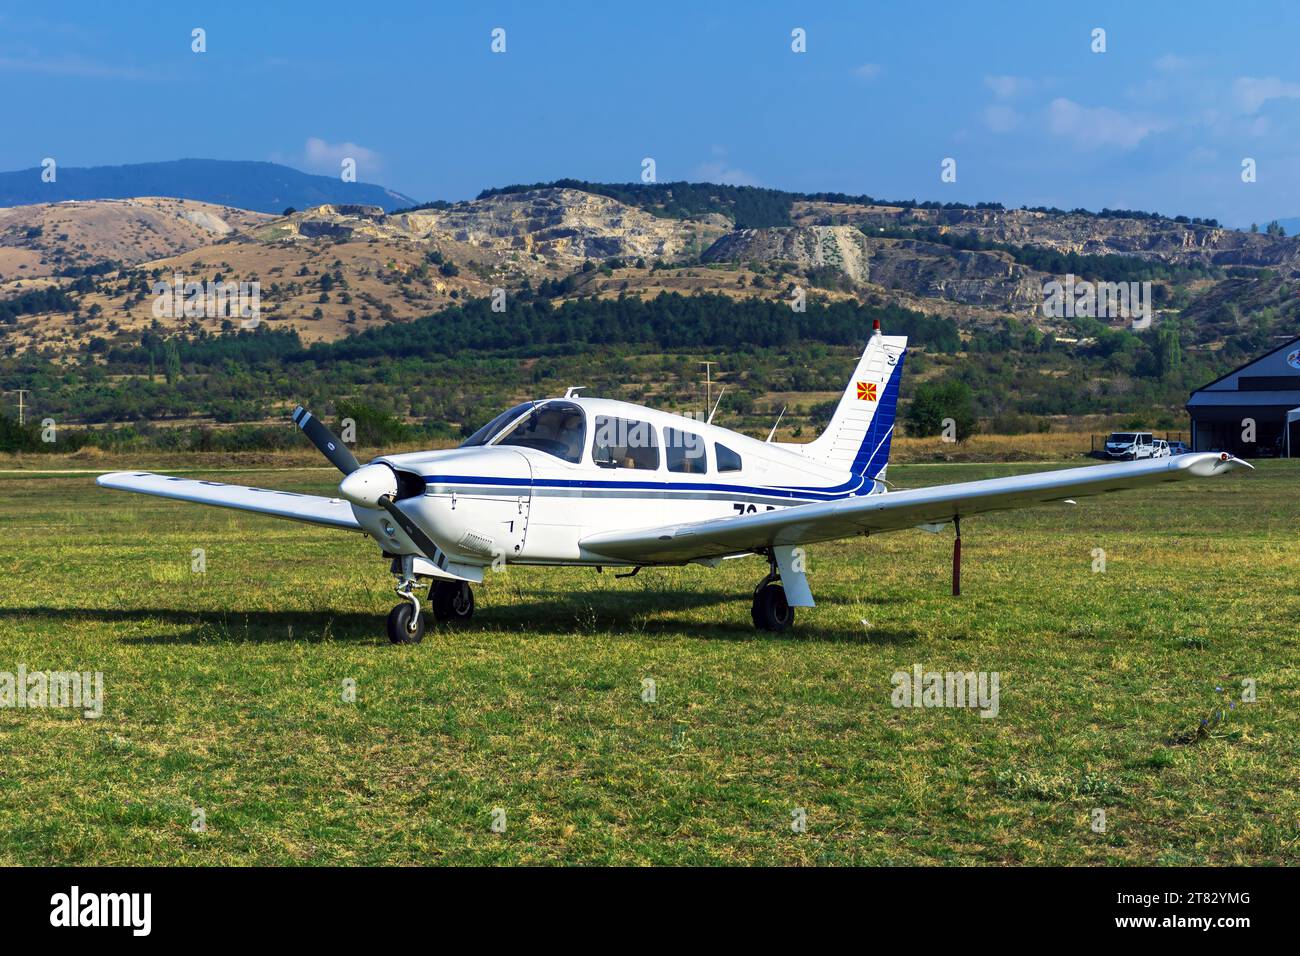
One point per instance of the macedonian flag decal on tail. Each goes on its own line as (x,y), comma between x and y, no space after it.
(866,391)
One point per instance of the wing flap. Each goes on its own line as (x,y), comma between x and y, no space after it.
(892,511)
(332,512)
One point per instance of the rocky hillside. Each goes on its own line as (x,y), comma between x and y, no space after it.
(990,279)
(331,270)
(556,225)
(51,238)
(1167,240)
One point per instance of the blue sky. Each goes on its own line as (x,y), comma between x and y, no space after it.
(1162,120)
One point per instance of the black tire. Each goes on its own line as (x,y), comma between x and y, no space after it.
(771,611)
(452,601)
(404,625)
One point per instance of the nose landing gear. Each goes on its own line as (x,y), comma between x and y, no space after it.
(451,602)
(405,622)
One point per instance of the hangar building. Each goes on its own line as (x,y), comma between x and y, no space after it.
(1267,390)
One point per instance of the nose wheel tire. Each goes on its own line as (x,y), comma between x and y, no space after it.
(452,601)
(405,624)
(771,611)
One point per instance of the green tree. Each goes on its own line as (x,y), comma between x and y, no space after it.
(171,362)
(1169,351)
(933,402)
(374,426)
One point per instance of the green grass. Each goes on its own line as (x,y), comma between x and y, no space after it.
(223,691)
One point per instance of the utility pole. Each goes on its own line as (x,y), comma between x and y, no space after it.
(21,393)
(708,385)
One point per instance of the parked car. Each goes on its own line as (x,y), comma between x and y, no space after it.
(1160,449)
(1129,446)
(1178,448)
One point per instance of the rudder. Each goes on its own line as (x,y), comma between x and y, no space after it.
(859,434)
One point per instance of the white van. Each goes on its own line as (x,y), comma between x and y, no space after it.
(1130,446)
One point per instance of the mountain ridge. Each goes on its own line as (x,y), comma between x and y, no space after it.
(244,184)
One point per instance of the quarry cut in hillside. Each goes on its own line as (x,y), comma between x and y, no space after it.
(555,224)
(1168,240)
(908,265)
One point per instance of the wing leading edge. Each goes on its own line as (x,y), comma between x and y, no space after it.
(332,512)
(892,511)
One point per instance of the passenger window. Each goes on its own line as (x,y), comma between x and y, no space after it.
(624,443)
(685,452)
(728,460)
(557,428)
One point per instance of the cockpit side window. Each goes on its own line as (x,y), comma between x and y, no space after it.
(685,452)
(557,428)
(728,460)
(625,443)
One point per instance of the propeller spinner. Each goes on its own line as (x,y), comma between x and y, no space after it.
(367,486)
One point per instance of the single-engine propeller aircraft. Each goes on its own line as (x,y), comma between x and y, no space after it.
(597,483)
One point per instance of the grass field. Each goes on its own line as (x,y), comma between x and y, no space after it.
(223,691)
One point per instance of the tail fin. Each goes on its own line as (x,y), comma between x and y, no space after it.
(857,438)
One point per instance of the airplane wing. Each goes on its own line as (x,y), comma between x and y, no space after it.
(891,511)
(333,512)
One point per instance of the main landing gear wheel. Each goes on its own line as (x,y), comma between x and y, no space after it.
(453,601)
(771,612)
(405,624)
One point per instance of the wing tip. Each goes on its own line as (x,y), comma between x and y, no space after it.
(107,480)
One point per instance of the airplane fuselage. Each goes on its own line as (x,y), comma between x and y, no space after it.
(502,503)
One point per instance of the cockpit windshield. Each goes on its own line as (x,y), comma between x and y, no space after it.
(557,428)
(490,430)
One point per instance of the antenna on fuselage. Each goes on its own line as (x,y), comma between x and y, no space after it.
(715,405)
(772,433)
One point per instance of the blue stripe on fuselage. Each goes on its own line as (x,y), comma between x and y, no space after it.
(805,494)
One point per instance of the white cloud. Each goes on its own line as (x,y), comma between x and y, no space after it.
(1098,126)
(70,66)
(1252,92)
(868,71)
(1001,118)
(1005,87)
(724,174)
(1172,63)
(327,157)
(720,171)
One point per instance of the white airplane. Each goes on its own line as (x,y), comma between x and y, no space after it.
(597,483)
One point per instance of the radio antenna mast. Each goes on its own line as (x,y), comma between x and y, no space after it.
(716,404)
(772,433)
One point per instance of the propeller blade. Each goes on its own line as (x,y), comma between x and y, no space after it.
(320,436)
(413,531)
